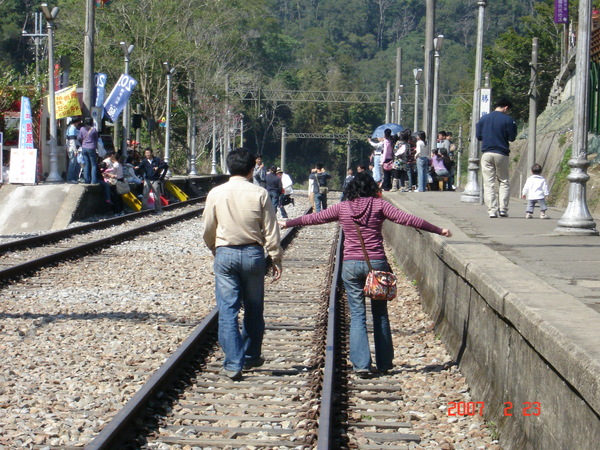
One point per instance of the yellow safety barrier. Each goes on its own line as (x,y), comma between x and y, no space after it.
(178,193)
(132,201)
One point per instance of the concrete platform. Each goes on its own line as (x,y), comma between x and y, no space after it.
(47,207)
(519,310)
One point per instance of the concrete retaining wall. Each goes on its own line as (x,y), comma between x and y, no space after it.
(515,337)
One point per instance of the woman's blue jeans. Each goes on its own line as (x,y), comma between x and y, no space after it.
(90,165)
(354,274)
(422,171)
(240,280)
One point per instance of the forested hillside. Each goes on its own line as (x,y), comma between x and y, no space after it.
(316,45)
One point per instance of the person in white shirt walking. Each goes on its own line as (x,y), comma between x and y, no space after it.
(535,191)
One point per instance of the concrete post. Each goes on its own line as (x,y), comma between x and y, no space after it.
(437,46)
(53,174)
(471,192)
(577,219)
(213,168)
(398,90)
(283,149)
(417,74)
(169,72)
(126,53)
(387,102)
(427,71)
(533,98)
(88,58)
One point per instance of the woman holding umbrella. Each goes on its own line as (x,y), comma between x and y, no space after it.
(387,157)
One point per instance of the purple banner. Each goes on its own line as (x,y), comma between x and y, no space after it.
(561,11)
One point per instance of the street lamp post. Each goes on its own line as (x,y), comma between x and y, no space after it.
(472,189)
(437,46)
(577,219)
(417,73)
(53,175)
(127,49)
(169,71)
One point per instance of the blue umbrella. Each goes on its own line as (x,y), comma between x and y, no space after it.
(378,133)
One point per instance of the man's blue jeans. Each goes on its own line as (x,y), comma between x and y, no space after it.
(354,274)
(422,171)
(240,280)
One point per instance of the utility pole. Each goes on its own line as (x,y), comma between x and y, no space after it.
(427,72)
(283,144)
(472,190)
(169,71)
(127,49)
(417,74)
(437,47)
(398,90)
(37,37)
(387,102)
(533,99)
(53,175)
(88,58)
(577,219)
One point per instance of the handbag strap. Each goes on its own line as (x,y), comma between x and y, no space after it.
(362,244)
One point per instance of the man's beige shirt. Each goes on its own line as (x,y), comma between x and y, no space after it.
(240,213)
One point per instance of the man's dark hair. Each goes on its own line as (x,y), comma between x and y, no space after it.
(88,121)
(361,166)
(319,165)
(240,162)
(504,102)
(536,169)
(362,185)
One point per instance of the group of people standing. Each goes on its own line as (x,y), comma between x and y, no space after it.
(278,184)
(88,166)
(404,161)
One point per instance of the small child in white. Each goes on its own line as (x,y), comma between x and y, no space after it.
(536,190)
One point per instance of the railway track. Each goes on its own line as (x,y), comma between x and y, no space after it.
(24,256)
(304,396)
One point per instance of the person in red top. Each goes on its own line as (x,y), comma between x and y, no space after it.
(365,207)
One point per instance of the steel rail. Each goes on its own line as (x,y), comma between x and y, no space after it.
(55,236)
(326,413)
(111,435)
(33,265)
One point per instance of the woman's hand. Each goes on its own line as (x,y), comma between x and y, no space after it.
(282,223)
(446,232)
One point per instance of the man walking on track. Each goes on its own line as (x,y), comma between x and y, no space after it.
(496,130)
(239,220)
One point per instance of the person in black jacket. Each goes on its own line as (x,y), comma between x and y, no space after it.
(153,170)
(274,187)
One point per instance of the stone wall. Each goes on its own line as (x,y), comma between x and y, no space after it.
(512,346)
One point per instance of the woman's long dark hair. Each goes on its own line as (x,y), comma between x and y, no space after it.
(362,185)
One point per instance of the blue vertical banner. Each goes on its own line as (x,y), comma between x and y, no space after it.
(100,83)
(118,97)
(25,125)
(561,11)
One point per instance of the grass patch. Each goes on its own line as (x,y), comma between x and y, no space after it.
(562,139)
(560,180)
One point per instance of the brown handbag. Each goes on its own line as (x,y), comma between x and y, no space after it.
(379,285)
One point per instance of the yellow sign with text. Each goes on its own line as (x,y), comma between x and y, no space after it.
(67,103)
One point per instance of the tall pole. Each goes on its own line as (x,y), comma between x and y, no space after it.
(398,90)
(427,71)
(458,156)
(213,168)
(193,130)
(169,71)
(283,148)
(387,102)
(138,130)
(533,98)
(88,58)
(417,74)
(471,192)
(348,146)
(127,49)
(53,175)
(437,46)
(577,219)
(242,130)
